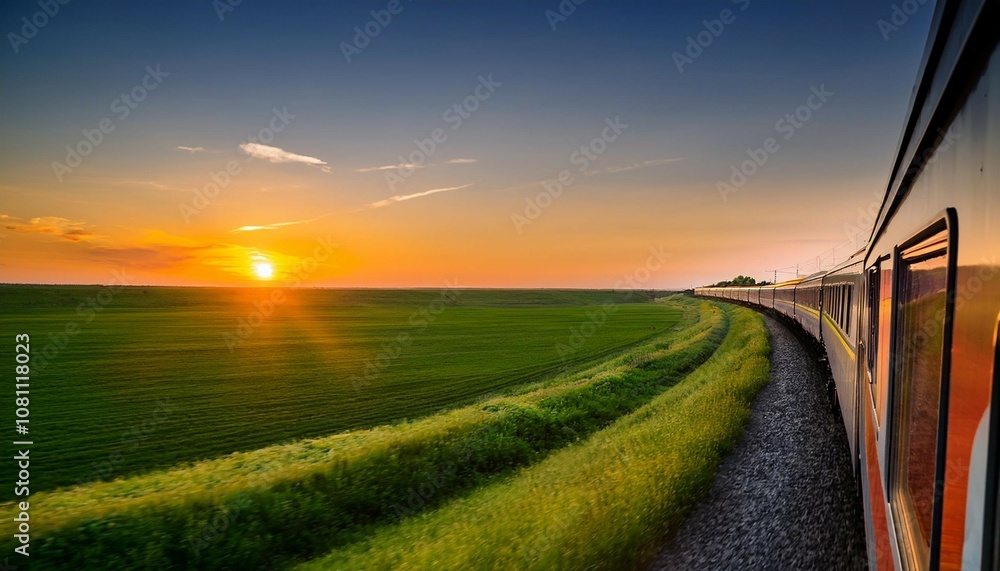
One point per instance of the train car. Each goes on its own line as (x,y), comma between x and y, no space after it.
(917,316)
(839,327)
(931,313)
(809,304)
(784,297)
(767,296)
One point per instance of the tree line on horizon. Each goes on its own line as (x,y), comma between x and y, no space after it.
(739,281)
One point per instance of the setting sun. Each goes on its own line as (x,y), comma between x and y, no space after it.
(263,270)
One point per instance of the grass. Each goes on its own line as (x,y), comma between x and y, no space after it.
(604,503)
(98,396)
(300,499)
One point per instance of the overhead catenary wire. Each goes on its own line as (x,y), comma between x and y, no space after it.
(826,260)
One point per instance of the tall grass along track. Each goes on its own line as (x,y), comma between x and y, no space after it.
(602,504)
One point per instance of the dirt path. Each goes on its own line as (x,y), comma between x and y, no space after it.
(784,498)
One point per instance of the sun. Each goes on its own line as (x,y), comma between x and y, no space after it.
(264,270)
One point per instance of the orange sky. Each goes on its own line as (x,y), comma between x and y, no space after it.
(306,139)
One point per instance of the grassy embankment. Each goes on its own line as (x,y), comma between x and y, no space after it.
(602,504)
(259,508)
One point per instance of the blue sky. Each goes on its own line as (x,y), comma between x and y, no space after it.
(655,185)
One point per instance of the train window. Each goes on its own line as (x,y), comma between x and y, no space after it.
(873,281)
(848,290)
(884,325)
(836,304)
(918,365)
(840,306)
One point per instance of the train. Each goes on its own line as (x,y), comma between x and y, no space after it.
(910,322)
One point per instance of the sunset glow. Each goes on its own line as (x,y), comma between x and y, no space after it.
(238,154)
(263,270)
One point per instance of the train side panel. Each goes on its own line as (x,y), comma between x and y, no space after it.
(840,325)
(936,250)
(808,299)
(767,297)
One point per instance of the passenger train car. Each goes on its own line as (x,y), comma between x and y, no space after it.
(910,323)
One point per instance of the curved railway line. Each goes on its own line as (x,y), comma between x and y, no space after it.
(910,322)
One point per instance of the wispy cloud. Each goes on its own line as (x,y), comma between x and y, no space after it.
(390,167)
(72,230)
(191,149)
(276,155)
(415,166)
(404,197)
(376,204)
(276,225)
(633,166)
(109,181)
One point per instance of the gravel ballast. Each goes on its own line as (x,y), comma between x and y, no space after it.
(785,497)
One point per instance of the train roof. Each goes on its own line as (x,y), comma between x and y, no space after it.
(813,277)
(957,39)
(787,283)
(856,258)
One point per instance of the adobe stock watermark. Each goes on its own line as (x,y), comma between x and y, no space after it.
(563,11)
(122,107)
(131,440)
(787,126)
(265,307)
(867,216)
(454,117)
(223,7)
(701,41)
(616,459)
(30,26)
(582,158)
(928,330)
(418,496)
(597,318)
(87,310)
(220,180)
(898,18)
(363,35)
(419,321)
(225,517)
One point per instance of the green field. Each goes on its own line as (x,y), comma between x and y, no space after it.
(147,379)
(536,429)
(634,437)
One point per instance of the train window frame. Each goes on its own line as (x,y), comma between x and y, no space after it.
(937,239)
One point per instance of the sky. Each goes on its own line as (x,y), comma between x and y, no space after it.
(419,143)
